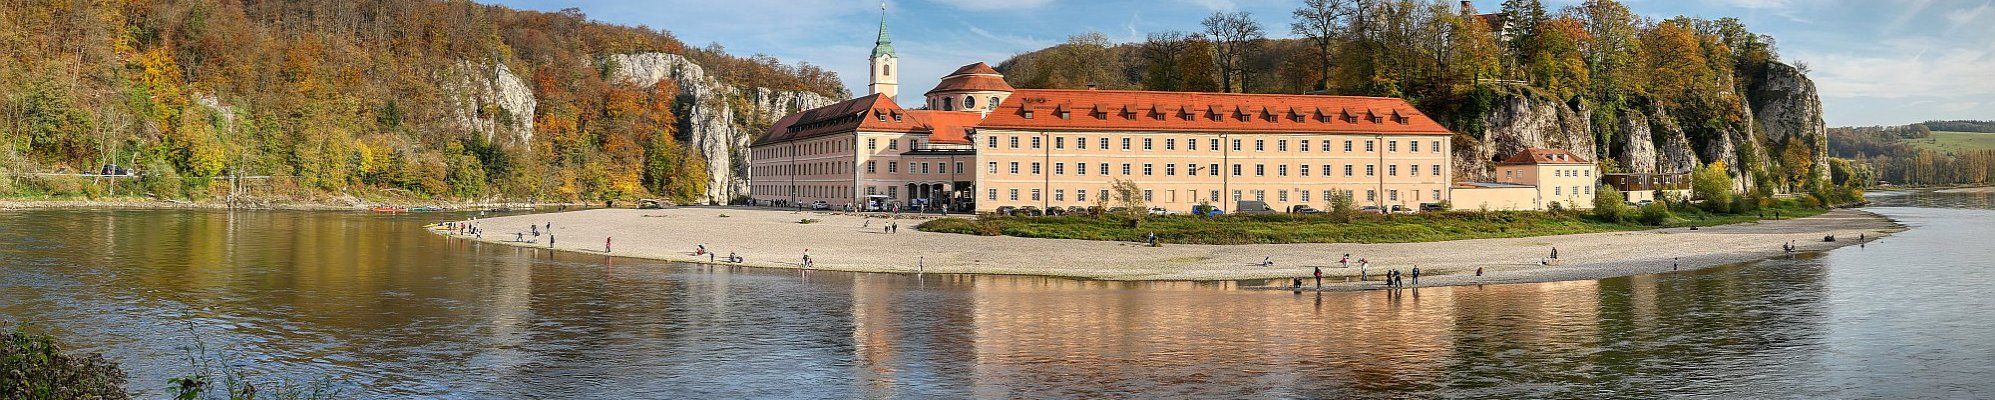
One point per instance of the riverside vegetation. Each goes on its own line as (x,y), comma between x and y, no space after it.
(1343,224)
(34,367)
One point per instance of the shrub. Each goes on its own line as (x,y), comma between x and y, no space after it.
(1656,214)
(1713,184)
(1340,206)
(807,221)
(1609,205)
(33,367)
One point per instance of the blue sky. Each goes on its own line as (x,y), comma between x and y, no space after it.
(1877,62)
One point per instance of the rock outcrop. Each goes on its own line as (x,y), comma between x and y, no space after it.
(490,100)
(1781,107)
(1789,112)
(719,120)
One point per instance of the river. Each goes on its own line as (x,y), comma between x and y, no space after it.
(388,310)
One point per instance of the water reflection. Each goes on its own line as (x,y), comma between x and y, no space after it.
(403,313)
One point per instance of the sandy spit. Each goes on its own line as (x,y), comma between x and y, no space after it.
(848,242)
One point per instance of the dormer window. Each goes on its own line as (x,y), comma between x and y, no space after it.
(1063,114)
(881,116)
(897,117)
(1027,114)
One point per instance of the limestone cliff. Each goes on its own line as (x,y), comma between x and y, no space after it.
(491,101)
(719,120)
(1781,107)
(1789,112)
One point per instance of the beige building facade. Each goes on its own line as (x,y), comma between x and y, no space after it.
(1558,176)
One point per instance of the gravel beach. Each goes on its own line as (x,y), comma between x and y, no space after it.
(851,242)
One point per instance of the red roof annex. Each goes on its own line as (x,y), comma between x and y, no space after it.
(1121,110)
(1543,156)
(872,113)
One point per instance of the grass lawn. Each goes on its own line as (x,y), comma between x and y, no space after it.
(1285,228)
(1954,142)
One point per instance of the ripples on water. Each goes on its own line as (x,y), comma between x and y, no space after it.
(396,312)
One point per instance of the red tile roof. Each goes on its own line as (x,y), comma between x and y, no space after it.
(1543,156)
(1120,110)
(973,77)
(872,113)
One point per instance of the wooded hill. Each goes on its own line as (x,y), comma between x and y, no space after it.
(415,99)
(1645,95)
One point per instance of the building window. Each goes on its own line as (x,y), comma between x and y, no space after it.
(1014,167)
(1035,194)
(1236,195)
(1059,194)
(1104,169)
(1236,169)
(1101,194)
(1371,170)
(924,168)
(1215,144)
(1147,195)
(1214,196)
(1213,170)
(1236,144)
(1260,170)
(992,104)
(1304,168)
(1371,195)
(1014,194)
(1035,142)
(893,166)
(1081,143)
(1125,169)
(959,166)
(1080,168)
(1304,144)
(1281,145)
(1413,169)
(893,144)
(1436,145)
(1260,145)
(993,194)
(1170,144)
(872,144)
(1347,146)
(990,168)
(1035,168)
(1060,143)
(1081,195)
(1303,193)
(871,167)
(1368,146)
(1281,170)
(1059,168)
(1260,195)
(969,101)
(993,142)
(1014,142)
(1392,195)
(1146,143)
(1104,143)
(893,192)
(1281,195)
(1557,191)
(1413,146)
(1125,144)
(1436,169)
(1146,169)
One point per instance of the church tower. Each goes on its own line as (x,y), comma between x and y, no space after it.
(885,65)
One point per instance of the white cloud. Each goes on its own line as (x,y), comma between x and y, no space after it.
(993,5)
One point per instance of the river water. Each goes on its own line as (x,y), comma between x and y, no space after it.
(390,311)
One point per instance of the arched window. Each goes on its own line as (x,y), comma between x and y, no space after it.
(886,70)
(993,104)
(969,102)
(948,104)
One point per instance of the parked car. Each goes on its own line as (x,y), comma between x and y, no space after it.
(1303,209)
(1078,210)
(1206,210)
(1433,207)
(1398,209)
(1161,211)
(1117,210)
(1253,207)
(1030,211)
(1056,211)
(1370,209)
(820,205)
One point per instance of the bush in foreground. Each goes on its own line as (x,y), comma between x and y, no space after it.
(32,366)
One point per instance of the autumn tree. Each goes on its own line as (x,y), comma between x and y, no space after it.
(1321,22)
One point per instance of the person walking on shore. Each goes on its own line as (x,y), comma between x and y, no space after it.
(1267,261)
(1319,277)
(1362,266)
(1478,271)
(1346,262)
(1555,253)
(606,245)
(1416,275)
(806,258)
(550,240)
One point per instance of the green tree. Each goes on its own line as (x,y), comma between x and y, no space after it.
(1713,184)
(1609,205)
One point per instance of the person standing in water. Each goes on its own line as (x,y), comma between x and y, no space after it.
(1319,277)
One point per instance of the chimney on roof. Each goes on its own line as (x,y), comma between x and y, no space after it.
(1093,86)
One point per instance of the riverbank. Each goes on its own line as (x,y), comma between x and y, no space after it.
(1981,189)
(848,242)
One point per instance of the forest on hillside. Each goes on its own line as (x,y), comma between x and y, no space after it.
(357,99)
(1453,62)
(1882,152)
